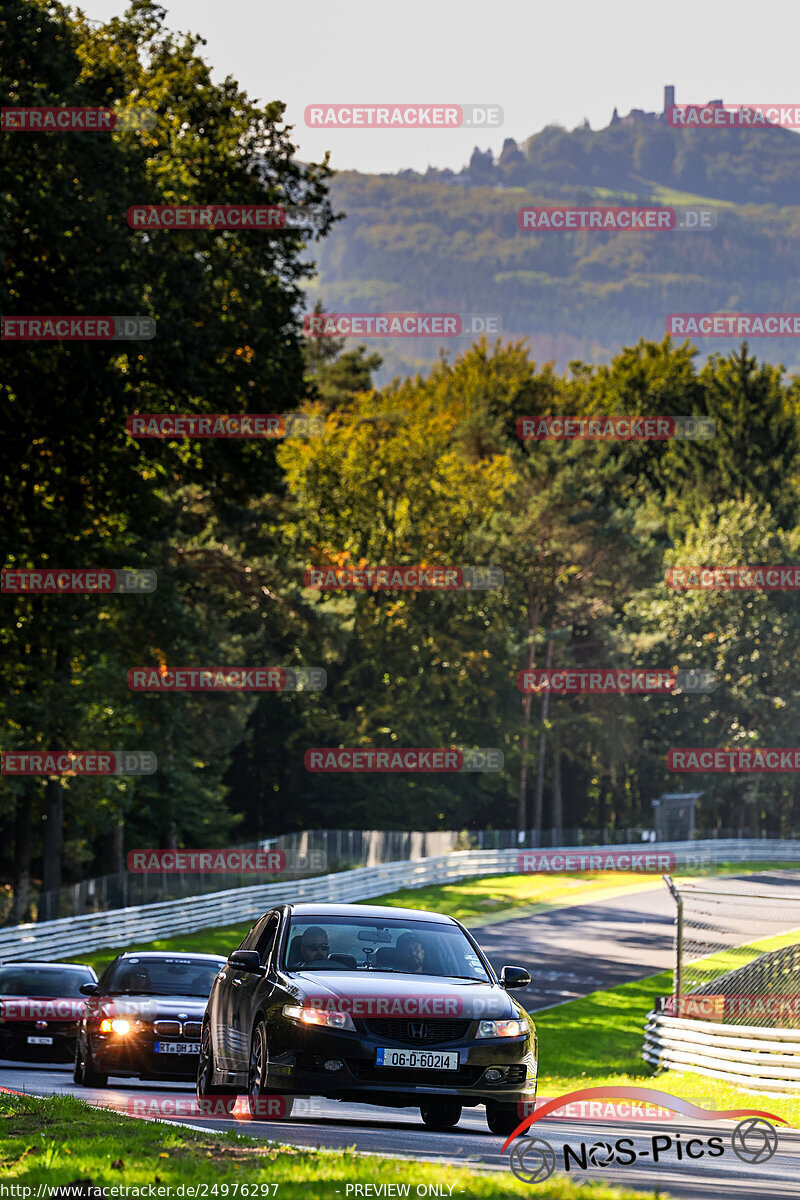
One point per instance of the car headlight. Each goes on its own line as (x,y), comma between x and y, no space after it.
(115,1026)
(306,1015)
(500,1029)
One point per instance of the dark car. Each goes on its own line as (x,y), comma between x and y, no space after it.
(41,1006)
(376,1005)
(143,1018)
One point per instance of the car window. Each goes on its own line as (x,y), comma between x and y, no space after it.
(392,944)
(267,939)
(252,939)
(141,975)
(43,981)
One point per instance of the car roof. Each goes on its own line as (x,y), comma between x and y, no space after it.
(14,962)
(170,954)
(320,911)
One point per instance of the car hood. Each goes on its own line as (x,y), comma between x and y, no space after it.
(386,994)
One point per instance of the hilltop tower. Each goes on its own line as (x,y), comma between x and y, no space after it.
(669,97)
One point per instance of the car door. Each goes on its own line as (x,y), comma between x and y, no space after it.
(247,989)
(221,1010)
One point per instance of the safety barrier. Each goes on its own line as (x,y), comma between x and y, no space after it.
(761,1060)
(70,936)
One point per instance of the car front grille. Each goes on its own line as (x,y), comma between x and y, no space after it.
(433,1031)
(191,1030)
(167,1028)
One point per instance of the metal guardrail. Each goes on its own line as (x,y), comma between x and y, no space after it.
(762,1060)
(119,928)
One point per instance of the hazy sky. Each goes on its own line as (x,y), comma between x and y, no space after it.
(562,61)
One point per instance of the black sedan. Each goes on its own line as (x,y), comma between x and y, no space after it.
(144,1017)
(40,1008)
(386,1006)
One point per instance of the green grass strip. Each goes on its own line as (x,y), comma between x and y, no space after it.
(60,1140)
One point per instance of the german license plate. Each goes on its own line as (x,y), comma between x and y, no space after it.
(40,1041)
(425,1060)
(177,1047)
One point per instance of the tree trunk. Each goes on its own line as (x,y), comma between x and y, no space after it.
(53,845)
(538,795)
(522,798)
(54,807)
(558,806)
(22,854)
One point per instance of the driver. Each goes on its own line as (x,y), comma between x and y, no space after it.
(410,953)
(314,946)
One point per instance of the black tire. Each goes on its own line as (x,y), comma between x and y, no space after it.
(502,1119)
(265,1105)
(438,1113)
(84,1066)
(78,1068)
(209,1093)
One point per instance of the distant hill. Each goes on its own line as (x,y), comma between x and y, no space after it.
(446,241)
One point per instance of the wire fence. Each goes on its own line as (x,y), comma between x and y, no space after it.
(737,951)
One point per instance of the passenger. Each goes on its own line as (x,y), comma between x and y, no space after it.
(410,953)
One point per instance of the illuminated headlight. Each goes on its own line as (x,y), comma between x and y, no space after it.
(500,1029)
(115,1026)
(307,1015)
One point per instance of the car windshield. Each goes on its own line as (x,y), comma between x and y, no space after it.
(43,981)
(345,943)
(143,976)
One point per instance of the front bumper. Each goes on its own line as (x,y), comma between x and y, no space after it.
(134,1054)
(14,1042)
(297,1064)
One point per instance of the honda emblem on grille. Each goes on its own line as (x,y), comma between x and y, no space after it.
(417,1029)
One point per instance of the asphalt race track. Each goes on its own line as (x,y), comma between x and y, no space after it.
(570,952)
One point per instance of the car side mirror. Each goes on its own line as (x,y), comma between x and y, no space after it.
(89,989)
(246,960)
(514,977)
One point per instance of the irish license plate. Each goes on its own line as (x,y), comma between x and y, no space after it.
(177,1047)
(425,1060)
(40,1041)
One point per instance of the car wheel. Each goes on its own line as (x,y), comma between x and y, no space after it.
(91,1077)
(502,1118)
(210,1095)
(264,1105)
(78,1069)
(441,1114)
